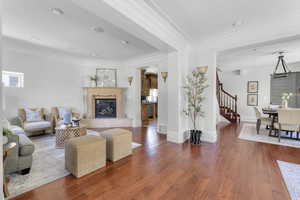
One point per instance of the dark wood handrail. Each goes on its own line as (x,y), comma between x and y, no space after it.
(227,102)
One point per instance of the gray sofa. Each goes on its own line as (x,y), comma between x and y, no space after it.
(20,158)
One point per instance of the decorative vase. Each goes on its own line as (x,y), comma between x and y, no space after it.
(285,104)
(67,118)
(195,136)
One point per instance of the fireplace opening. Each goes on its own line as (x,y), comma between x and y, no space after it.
(105,108)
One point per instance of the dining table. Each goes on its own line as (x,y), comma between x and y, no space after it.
(273,114)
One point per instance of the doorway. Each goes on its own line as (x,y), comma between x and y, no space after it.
(149,96)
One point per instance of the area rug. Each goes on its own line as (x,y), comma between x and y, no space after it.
(248,132)
(291,176)
(48,165)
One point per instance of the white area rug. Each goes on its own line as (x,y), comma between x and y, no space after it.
(248,132)
(291,176)
(48,165)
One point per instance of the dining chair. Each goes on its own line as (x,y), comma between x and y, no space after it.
(288,120)
(261,120)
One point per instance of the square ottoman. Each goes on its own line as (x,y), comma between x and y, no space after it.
(85,154)
(118,143)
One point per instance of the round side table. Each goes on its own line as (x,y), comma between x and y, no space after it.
(64,133)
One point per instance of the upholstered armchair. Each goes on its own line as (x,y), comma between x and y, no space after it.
(34,121)
(57,115)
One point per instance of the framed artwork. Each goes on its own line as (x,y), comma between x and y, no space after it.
(106,77)
(252,100)
(252,87)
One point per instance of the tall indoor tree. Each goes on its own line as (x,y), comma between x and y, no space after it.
(194,89)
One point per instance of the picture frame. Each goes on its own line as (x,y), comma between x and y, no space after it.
(106,77)
(252,87)
(252,100)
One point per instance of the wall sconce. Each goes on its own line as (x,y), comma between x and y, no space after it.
(164,75)
(202,69)
(130,79)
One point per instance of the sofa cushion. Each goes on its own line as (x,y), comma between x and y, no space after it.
(16,130)
(29,126)
(33,115)
(26,146)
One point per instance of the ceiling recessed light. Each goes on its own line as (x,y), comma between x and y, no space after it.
(57,11)
(98,29)
(124,42)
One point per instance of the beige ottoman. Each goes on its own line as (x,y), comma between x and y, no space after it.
(118,143)
(85,154)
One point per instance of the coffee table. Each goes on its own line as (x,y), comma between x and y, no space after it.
(64,133)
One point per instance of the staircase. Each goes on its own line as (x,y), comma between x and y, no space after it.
(227,104)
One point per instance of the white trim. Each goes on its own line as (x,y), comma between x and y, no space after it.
(162,129)
(146,17)
(172,137)
(209,136)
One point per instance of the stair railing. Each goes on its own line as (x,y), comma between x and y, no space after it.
(227,103)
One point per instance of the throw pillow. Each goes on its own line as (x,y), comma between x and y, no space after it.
(33,115)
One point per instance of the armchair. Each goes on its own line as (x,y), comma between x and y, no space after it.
(32,126)
(57,115)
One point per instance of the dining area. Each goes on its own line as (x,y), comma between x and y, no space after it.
(280,122)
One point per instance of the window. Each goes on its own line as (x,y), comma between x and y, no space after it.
(13,79)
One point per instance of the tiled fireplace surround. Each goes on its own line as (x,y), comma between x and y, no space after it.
(93,93)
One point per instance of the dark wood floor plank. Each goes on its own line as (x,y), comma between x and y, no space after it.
(231,169)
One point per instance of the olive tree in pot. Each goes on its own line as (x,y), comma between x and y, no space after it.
(194,88)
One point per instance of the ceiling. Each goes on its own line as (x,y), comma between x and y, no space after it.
(198,19)
(260,55)
(33,21)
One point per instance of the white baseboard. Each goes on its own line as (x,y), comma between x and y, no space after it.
(162,129)
(174,137)
(209,136)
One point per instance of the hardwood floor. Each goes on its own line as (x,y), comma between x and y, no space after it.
(230,169)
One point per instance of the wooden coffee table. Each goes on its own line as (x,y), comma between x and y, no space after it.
(63,133)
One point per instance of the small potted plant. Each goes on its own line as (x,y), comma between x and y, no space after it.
(94,79)
(6,133)
(194,88)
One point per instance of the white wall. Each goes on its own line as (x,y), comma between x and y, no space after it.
(237,85)
(204,56)
(48,82)
(133,97)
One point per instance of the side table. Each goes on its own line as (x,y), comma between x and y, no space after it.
(63,133)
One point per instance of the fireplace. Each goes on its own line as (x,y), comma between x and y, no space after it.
(105,108)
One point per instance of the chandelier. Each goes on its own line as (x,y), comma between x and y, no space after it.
(283,64)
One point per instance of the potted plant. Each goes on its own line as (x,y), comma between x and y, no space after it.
(6,133)
(194,88)
(94,79)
